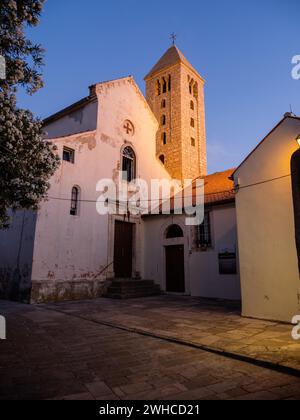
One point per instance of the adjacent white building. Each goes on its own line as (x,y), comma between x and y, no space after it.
(197,260)
(267,220)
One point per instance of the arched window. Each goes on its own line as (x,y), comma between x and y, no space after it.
(164,138)
(74,211)
(163,120)
(164,84)
(192,105)
(192,122)
(169,83)
(295,173)
(162,159)
(195,90)
(163,103)
(174,231)
(158,88)
(128,164)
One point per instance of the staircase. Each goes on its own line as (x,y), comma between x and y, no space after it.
(130,289)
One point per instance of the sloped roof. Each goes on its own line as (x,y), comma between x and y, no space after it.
(287,116)
(72,108)
(170,58)
(218,189)
(83,102)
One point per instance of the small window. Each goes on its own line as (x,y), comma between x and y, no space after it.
(74,201)
(192,122)
(193,142)
(128,164)
(174,231)
(163,120)
(164,138)
(68,155)
(204,233)
(169,83)
(162,159)
(227,263)
(163,104)
(192,105)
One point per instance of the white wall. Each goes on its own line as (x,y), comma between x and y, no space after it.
(72,249)
(16,251)
(154,243)
(206,281)
(268,260)
(201,268)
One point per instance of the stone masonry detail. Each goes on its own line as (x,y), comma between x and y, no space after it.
(175,93)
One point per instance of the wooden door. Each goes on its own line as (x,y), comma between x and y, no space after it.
(175,276)
(123,249)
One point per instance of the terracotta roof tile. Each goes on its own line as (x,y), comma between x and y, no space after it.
(218,187)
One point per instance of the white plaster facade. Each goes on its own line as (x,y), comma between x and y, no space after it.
(266,231)
(80,249)
(202,276)
(72,256)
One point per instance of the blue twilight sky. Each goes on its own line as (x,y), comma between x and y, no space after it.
(242,48)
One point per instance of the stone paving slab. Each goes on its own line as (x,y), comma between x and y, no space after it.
(52,355)
(208,324)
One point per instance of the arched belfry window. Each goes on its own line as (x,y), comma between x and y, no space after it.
(174,231)
(74,211)
(195,90)
(164,85)
(128,164)
(162,159)
(295,173)
(158,88)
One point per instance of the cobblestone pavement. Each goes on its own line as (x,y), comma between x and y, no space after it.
(207,323)
(52,355)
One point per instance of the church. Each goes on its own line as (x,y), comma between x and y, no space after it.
(67,251)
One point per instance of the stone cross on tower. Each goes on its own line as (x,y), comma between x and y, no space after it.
(173,37)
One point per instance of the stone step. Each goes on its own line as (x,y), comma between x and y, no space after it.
(145,291)
(132,282)
(129,289)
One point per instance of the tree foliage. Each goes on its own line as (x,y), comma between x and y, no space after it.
(26,160)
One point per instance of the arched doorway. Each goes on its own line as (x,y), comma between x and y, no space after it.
(175,267)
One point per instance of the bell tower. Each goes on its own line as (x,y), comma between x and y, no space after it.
(175,93)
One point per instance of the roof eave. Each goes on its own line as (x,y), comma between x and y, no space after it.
(262,141)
